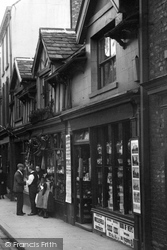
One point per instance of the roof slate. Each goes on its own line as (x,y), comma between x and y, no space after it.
(25,67)
(60,45)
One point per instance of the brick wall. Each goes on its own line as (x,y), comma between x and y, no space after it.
(157,37)
(75,8)
(157,32)
(157,172)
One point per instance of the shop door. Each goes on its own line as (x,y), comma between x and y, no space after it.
(83,190)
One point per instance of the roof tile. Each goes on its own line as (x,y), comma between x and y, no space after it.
(60,45)
(24,67)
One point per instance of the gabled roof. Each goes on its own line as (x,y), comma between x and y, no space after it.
(58,43)
(24,67)
(22,70)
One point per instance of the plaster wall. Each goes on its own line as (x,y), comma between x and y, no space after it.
(85,85)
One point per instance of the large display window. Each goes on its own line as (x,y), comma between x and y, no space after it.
(113,167)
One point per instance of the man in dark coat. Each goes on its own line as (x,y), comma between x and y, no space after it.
(19,187)
(32,183)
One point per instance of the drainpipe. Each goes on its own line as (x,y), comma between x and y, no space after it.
(144,122)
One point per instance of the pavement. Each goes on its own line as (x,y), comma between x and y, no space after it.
(19,228)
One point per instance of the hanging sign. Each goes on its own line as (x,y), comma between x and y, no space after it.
(135,176)
(68,169)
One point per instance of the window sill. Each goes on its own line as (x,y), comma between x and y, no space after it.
(117,215)
(107,88)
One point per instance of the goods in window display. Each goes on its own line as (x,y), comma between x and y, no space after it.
(83,192)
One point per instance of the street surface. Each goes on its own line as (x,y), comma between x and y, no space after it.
(5,242)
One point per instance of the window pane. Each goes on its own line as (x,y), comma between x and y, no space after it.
(107,61)
(113,47)
(108,72)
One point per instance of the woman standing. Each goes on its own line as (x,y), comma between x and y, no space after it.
(3,180)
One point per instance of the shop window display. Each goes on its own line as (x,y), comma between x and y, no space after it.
(113,168)
(48,152)
(83,177)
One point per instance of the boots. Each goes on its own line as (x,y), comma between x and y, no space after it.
(45,214)
(40,212)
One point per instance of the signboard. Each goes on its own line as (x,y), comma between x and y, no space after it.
(112,229)
(135,176)
(68,169)
(127,234)
(99,222)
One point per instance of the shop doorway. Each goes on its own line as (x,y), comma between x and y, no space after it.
(82,183)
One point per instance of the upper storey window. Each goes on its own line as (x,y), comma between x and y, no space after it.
(106,61)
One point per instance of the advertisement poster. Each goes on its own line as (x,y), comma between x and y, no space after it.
(99,222)
(68,169)
(112,229)
(135,164)
(127,234)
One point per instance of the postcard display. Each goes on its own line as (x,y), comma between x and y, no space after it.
(118,230)
(135,176)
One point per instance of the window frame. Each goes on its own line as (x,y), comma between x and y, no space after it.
(103,170)
(102,62)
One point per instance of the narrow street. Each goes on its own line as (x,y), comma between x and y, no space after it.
(34,228)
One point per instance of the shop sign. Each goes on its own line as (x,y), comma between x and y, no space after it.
(99,222)
(112,229)
(68,169)
(127,234)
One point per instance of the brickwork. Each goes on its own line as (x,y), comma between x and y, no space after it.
(157,172)
(157,37)
(157,32)
(75,5)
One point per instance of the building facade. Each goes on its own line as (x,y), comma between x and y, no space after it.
(153,122)
(93,116)
(19,33)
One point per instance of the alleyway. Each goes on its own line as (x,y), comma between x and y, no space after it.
(19,227)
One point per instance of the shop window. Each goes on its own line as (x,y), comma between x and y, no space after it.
(106,61)
(83,185)
(113,168)
(59,167)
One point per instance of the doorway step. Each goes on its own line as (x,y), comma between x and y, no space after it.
(87,227)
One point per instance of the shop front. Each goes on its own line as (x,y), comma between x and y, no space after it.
(102,167)
(47,150)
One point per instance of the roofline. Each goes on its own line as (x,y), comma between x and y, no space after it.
(5,22)
(41,44)
(82,19)
(17,70)
(87,18)
(67,62)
